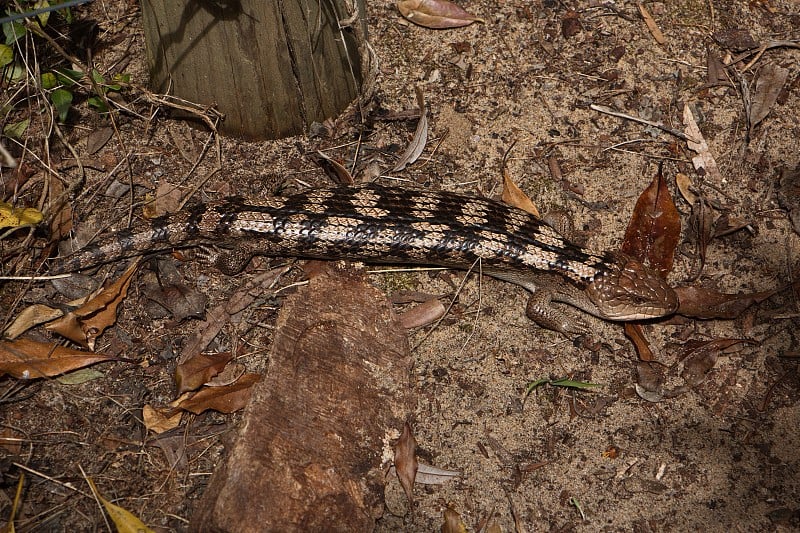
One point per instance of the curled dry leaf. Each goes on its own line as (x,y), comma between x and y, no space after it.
(333,169)
(83,325)
(698,302)
(436,14)
(420,139)
(223,399)
(636,335)
(199,369)
(423,314)
(513,195)
(405,461)
(27,359)
(655,227)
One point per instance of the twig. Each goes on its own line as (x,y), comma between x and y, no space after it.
(607,110)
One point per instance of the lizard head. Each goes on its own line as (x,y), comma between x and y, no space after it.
(629,290)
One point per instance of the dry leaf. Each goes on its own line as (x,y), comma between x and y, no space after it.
(420,139)
(31,316)
(436,14)
(651,24)
(685,186)
(12,217)
(223,399)
(405,461)
(649,382)
(333,169)
(199,369)
(655,226)
(423,314)
(771,79)
(430,475)
(789,195)
(699,302)
(696,143)
(453,522)
(159,421)
(27,359)
(85,324)
(125,521)
(168,199)
(513,195)
(98,138)
(636,335)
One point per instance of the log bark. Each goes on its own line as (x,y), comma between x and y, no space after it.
(272,68)
(310,452)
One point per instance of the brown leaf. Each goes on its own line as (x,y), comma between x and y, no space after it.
(158,420)
(789,195)
(168,199)
(571,24)
(655,227)
(223,399)
(333,169)
(699,302)
(701,356)
(98,138)
(27,359)
(199,369)
(423,314)
(85,324)
(636,335)
(405,461)
(513,195)
(701,224)
(770,81)
(420,139)
(649,382)
(651,24)
(30,317)
(436,14)
(452,522)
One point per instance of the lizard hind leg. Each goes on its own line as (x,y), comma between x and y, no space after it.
(540,309)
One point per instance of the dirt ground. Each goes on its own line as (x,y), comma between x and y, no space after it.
(724,455)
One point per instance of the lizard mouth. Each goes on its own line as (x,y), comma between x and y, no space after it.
(629,290)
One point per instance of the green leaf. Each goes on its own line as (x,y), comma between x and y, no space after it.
(62,100)
(97,77)
(121,78)
(13,31)
(98,103)
(6,55)
(49,81)
(14,74)
(43,17)
(15,130)
(68,77)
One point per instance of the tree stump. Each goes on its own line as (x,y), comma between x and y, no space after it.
(272,68)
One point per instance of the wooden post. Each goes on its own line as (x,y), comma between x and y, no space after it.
(271,67)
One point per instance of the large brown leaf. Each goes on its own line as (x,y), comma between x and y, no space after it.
(28,359)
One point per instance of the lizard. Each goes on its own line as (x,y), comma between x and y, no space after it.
(397,225)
